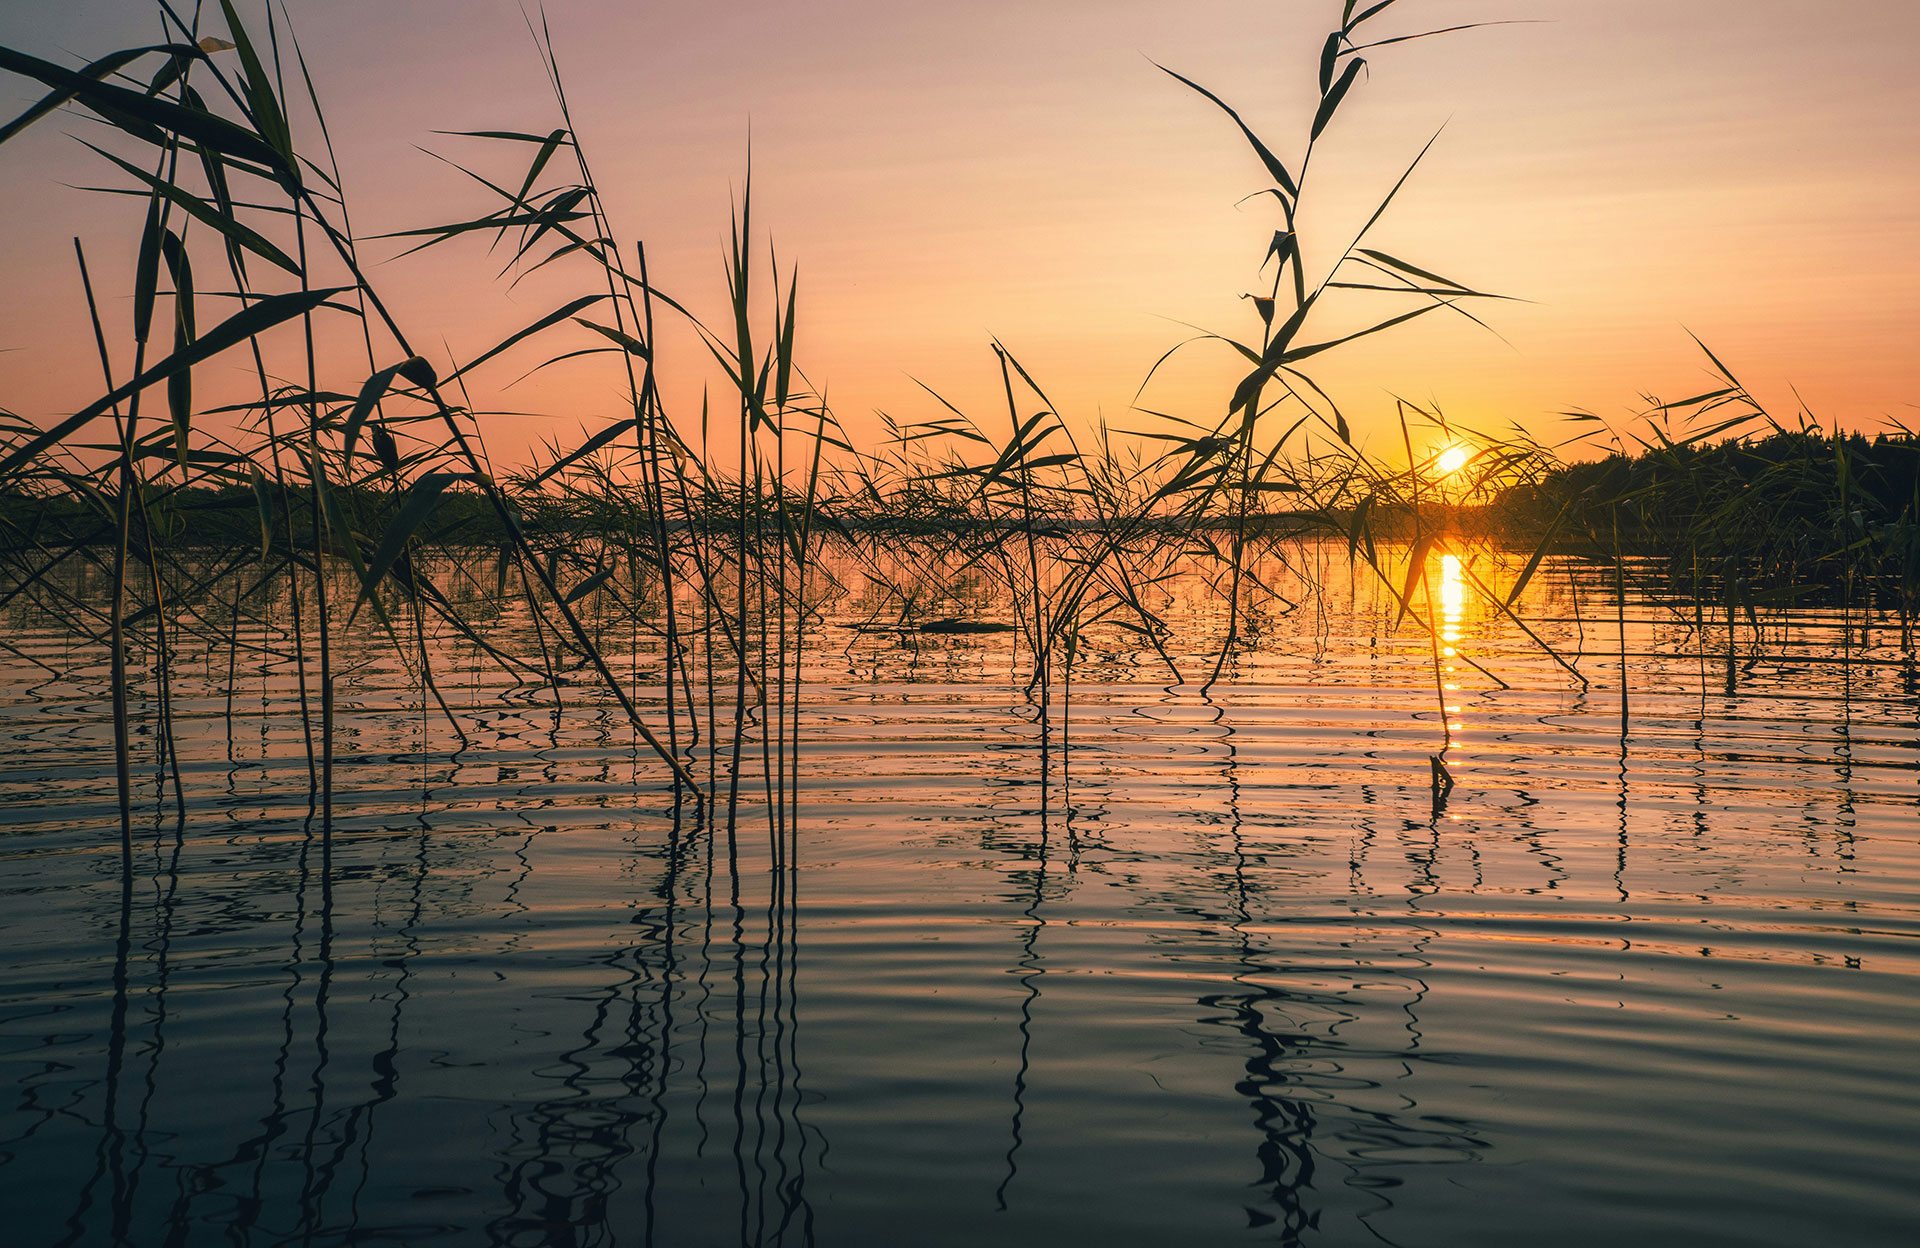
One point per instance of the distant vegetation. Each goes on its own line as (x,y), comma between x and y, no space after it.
(1767,514)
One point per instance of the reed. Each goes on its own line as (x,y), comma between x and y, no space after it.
(333,489)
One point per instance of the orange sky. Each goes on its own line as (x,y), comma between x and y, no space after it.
(1746,169)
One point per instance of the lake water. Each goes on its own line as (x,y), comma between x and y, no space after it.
(1215,972)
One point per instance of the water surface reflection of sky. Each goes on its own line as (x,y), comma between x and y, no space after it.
(1216,972)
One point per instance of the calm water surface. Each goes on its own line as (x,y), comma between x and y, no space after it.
(1215,974)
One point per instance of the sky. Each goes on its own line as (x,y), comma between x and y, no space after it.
(1631,172)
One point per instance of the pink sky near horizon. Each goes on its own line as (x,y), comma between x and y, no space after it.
(1747,171)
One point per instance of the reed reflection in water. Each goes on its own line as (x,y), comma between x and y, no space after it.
(1216,971)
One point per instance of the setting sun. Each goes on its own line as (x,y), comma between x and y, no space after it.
(1452,460)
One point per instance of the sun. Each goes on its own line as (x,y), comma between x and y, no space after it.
(1452,460)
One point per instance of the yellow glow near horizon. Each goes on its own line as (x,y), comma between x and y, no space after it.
(1452,460)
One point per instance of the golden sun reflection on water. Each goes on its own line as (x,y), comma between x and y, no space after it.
(1453,612)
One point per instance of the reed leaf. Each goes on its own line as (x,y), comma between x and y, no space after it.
(1330,102)
(93,71)
(421,500)
(268,118)
(605,437)
(180,381)
(117,103)
(216,215)
(254,319)
(633,346)
(552,318)
(1275,170)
